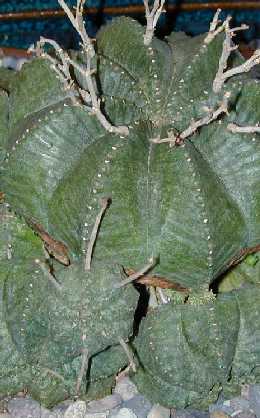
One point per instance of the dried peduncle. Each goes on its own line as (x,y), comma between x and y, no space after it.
(152,17)
(228,47)
(214,29)
(62,65)
(129,354)
(234,128)
(196,124)
(105,202)
(83,369)
(152,262)
(158,281)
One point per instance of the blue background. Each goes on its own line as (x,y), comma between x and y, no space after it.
(23,33)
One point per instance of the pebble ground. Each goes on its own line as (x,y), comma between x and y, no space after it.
(126,402)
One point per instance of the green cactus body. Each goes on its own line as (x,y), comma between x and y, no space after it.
(86,304)
(197,351)
(170,204)
(42,325)
(192,207)
(247,272)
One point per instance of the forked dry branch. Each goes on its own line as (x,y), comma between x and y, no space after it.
(214,30)
(228,47)
(62,64)
(152,17)
(178,139)
(221,76)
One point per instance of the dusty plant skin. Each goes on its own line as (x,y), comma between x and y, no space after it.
(42,325)
(186,350)
(66,162)
(147,128)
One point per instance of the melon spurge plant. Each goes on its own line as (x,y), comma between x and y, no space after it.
(132,160)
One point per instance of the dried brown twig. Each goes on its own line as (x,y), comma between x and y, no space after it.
(158,281)
(151,263)
(242,254)
(196,124)
(234,128)
(62,65)
(152,17)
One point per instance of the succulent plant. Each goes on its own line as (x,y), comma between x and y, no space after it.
(137,157)
(190,352)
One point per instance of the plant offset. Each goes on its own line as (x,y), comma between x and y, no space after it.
(133,160)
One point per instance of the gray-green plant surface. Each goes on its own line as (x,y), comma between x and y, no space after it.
(174,144)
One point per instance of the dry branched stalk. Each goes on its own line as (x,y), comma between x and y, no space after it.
(138,274)
(78,23)
(234,128)
(214,30)
(196,124)
(152,17)
(62,65)
(105,202)
(228,48)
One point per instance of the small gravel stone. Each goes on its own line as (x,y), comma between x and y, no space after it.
(245,391)
(5,416)
(159,411)
(188,413)
(245,414)
(27,408)
(60,409)
(105,404)
(254,399)
(125,413)
(139,405)
(239,403)
(219,414)
(125,388)
(76,410)
(221,406)
(97,415)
